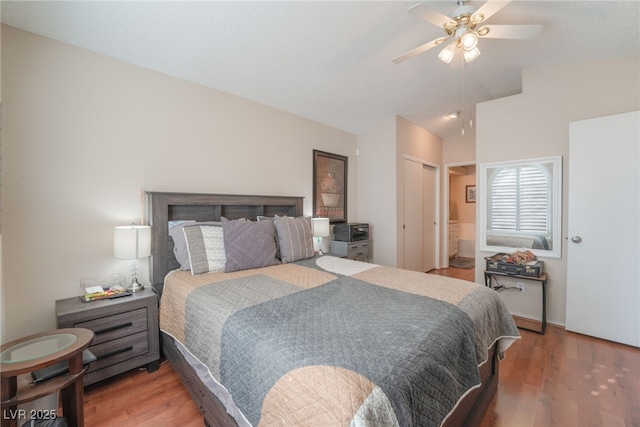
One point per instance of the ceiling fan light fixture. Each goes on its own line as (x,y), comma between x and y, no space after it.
(447,54)
(469,40)
(470,55)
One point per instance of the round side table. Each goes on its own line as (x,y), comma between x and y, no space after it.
(36,352)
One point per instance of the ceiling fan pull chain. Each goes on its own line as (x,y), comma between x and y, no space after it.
(471,104)
(462,109)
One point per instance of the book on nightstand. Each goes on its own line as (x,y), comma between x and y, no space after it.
(104,287)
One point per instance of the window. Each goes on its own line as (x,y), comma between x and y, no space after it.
(519,200)
(520,206)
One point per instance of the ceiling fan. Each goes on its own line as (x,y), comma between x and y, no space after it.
(464,27)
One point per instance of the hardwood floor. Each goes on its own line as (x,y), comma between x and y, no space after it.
(459,273)
(137,398)
(558,379)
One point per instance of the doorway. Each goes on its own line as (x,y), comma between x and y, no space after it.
(460,210)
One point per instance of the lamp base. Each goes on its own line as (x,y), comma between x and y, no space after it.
(135,286)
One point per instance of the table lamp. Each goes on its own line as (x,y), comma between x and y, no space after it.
(132,242)
(320,230)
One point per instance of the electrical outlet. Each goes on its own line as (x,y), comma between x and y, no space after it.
(520,286)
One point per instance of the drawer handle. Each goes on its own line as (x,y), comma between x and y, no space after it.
(114,352)
(112,328)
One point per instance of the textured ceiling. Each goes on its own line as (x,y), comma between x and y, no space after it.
(330,61)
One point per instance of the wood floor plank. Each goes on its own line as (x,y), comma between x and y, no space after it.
(138,398)
(559,379)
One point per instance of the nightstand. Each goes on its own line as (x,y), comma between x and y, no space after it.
(358,251)
(126,332)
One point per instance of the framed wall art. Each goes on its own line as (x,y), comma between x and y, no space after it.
(330,186)
(471,193)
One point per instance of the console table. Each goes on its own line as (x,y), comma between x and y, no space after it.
(39,351)
(489,275)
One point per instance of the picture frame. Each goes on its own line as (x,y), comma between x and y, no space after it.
(330,186)
(470,193)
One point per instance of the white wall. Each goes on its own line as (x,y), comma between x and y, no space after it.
(83,133)
(536,124)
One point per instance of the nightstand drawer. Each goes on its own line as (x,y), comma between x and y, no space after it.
(119,325)
(116,351)
(352,250)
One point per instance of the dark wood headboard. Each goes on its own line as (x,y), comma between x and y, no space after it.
(163,207)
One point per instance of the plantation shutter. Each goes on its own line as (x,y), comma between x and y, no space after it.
(520,201)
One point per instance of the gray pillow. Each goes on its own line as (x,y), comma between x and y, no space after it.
(205,244)
(295,238)
(180,250)
(249,244)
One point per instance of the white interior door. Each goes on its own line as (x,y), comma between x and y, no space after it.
(603,263)
(420,216)
(413,215)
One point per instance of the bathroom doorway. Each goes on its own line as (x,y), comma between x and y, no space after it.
(461,214)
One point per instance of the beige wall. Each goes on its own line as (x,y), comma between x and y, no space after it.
(536,124)
(3,322)
(460,149)
(457,150)
(377,178)
(417,142)
(459,209)
(83,133)
(380,181)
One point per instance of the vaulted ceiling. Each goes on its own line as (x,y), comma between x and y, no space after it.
(330,61)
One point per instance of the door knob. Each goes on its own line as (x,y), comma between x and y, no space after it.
(576,239)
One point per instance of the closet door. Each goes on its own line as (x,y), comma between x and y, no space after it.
(413,222)
(420,216)
(603,261)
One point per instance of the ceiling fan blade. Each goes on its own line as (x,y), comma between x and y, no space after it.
(491,7)
(520,32)
(418,50)
(424,12)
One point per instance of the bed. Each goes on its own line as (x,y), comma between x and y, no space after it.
(316,340)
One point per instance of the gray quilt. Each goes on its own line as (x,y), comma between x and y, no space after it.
(329,341)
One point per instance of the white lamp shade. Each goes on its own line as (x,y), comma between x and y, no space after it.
(320,227)
(132,241)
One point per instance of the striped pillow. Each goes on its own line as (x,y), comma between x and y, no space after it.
(295,238)
(205,244)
